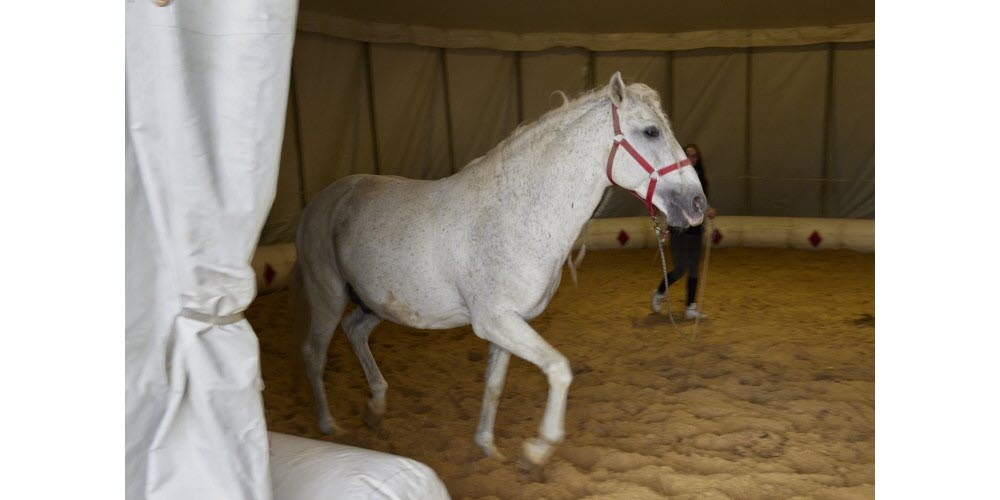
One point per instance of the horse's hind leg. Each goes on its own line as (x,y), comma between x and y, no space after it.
(358,327)
(326,304)
(496,371)
(512,333)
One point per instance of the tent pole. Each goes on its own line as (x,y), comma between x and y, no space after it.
(297,121)
(592,68)
(824,193)
(371,107)
(669,106)
(748,137)
(447,109)
(519,87)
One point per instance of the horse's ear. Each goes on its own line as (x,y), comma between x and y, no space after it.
(616,90)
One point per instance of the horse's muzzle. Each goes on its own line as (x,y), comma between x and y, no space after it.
(685,210)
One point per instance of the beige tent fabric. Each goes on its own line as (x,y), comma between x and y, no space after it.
(284,214)
(429,36)
(852,153)
(543,73)
(422,93)
(410,111)
(598,16)
(710,110)
(331,89)
(787,130)
(482,92)
(650,68)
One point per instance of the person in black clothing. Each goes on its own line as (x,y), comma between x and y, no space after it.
(685,246)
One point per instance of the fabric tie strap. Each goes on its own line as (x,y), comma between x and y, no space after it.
(210,319)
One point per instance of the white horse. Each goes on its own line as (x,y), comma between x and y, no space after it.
(573,263)
(485,246)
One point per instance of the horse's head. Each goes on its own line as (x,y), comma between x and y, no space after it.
(646,158)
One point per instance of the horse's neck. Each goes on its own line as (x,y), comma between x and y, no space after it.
(553,185)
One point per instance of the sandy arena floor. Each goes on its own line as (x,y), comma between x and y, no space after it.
(774,399)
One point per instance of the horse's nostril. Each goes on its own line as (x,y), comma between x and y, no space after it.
(698,203)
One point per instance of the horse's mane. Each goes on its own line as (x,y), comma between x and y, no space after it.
(569,111)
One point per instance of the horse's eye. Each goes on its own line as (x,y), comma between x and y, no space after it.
(651,132)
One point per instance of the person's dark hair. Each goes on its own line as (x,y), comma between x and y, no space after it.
(700,166)
(701,161)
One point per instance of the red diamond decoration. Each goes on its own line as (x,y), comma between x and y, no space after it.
(815,238)
(622,237)
(716,237)
(268,274)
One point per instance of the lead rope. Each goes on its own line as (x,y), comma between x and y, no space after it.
(703,280)
(701,295)
(663,262)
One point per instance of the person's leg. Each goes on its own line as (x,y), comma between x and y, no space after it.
(694,251)
(672,277)
(679,254)
(656,300)
(693,244)
(692,291)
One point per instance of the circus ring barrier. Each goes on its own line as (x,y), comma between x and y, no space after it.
(273,263)
(801,233)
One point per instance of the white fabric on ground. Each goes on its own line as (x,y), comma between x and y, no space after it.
(305,469)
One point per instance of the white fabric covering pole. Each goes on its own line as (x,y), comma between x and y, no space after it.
(206,88)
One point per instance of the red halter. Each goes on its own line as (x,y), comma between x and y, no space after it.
(654,173)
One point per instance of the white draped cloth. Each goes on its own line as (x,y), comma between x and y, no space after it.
(206,89)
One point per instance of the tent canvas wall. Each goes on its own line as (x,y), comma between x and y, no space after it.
(781,99)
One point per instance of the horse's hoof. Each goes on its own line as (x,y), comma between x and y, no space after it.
(326,427)
(524,466)
(537,452)
(534,471)
(491,451)
(372,419)
(331,428)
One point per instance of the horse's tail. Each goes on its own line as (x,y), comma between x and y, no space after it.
(580,254)
(299,305)
(574,263)
(572,267)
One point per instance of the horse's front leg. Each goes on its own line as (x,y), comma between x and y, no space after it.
(496,371)
(513,334)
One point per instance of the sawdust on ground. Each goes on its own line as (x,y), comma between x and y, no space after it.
(775,398)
